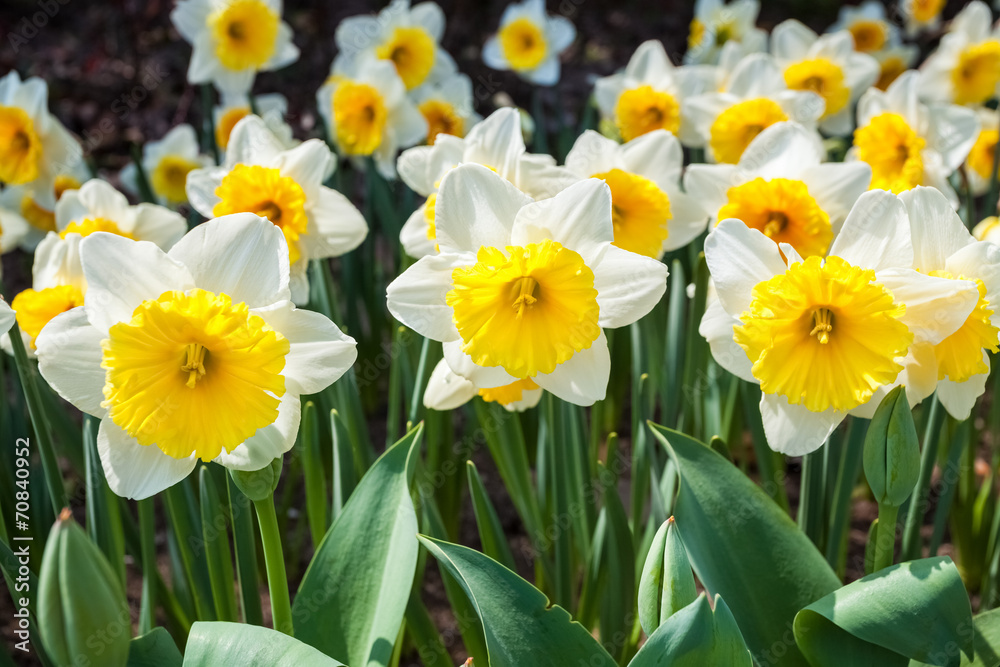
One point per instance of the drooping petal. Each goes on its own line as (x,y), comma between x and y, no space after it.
(795,430)
(134,470)
(69,358)
(417,297)
(738,258)
(267,443)
(583,380)
(446,390)
(628,286)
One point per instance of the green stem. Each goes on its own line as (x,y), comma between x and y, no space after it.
(209,121)
(918,502)
(147,531)
(246,553)
(274,560)
(885,537)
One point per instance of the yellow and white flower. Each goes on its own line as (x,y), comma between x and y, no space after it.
(826,65)
(921,15)
(447,391)
(529,42)
(649,212)
(368,112)
(893,61)
(167,163)
(965,68)
(649,94)
(286,187)
(234,107)
(826,337)
(34,145)
(522,289)
(20,200)
(907,143)
(870,29)
(717,24)
(232,40)
(196,354)
(408,37)
(979,162)
(782,188)
(447,106)
(988,229)
(496,143)
(755,97)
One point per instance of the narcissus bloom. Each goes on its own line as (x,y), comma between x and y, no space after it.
(979,162)
(408,37)
(826,65)
(167,163)
(921,15)
(782,188)
(965,68)
(522,289)
(717,24)
(496,143)
(755,97)
(196,354)
(234,107)
(529,42)
(447,391)
(988,229)
(286,187)
(447,106)
(870,29)
(908,143)
(826,337)
(649,212)
(20,199)
(232,40)
(893,61)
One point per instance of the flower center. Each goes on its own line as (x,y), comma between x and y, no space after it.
(441,119)
(740,124)
(981,156)
(34,309)
(892,149)
(889,71)
(509,393)
(784,211)
(977,73)
(641,110)
(526,309)
(170,177)
(42,218)
(640,211)
(193,373)
(228,120)
(960,355)
(696,34)
(788,333)
(245,33)
(822,77)
(927,10)
(20,147)
(88,226)
(412,49)
(869,34)
(523,44)
(360,116)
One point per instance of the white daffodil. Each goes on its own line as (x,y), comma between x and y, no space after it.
(522,289)
(232,40)
(529,42)
(234,107)
(869,26)
(826,65)
(826,337)
(921,15)
(20,200)
(907,143)
(893,61)
(447,391)
(717,24)
(959,365)
(650,213)
(34,145)
(782,188)
(408,37)
(285,186)
(965,68)
(497,143)
(755,97)
(167,163)
(649,94)
(988,229)
(6,316)
(447,106)
(368,112)
(196,354)
(979,162)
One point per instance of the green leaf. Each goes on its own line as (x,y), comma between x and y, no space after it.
(221,644)
(746,549)
(917,610)
(695,637)
(156,648)
(667,583)
(520,625)
(354,593)
(491,533)
(986,642)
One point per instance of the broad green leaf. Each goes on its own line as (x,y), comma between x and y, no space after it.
(986,641)
(521,627)
(912,610)
(223,644)
(156,648)
(696,637)
(746,549)
(354,593)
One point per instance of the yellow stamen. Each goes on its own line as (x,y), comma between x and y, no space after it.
(245,33)
(441,119)
(641,110)
(893,149)
(523,44)
(412,50)
(169,178)
(822,77)
(359,118)
(869,34)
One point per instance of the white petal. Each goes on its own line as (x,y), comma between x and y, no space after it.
(935,228)
(134,470)
(336,226)
(413,235)
(446,390)
(417,297)
(269,442)
(200,188)
(159,225)
(476,208)
(717,328)
(783,150)
(69,358)
(481,376)
(793,429)
(583,380)
(738,258)
(836,186)
(876,234)
(579,218)
(959,398)
(560,33)
(306,164)
(935,307)
(628,286)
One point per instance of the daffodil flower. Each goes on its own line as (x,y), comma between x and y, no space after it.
(826,65)
(869,27)
(447,106)
(232,40)
(234,107)
(979,162)
(368,113)
(447,391)
(965,68)
(649,94)
(826,337)
(782,188)
(167,163)
(529,42)
(496,143)
(717,24)
(754,98)
(649,212)
(20,200)
(6,316)
(921,15)
(988,229)
(196,354)
(408,37)
(286,187)
(523,289)
(34,145)
(908,143)
(893,61)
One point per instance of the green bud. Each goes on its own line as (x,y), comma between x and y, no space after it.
(667,583)
(258,484)
(892,453)
(83,616)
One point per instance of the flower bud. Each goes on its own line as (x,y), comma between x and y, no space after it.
(892,453)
